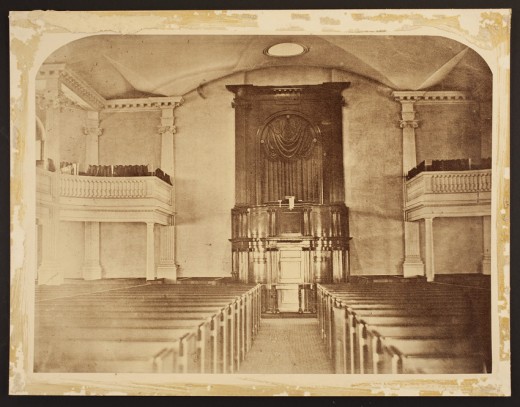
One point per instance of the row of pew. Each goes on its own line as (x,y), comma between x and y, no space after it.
(150,328)
(411,328)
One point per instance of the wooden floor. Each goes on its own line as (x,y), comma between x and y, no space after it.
(288,345)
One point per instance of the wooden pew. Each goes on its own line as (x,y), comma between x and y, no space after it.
(350,316)
(67,354)
(139,329)
(231,332)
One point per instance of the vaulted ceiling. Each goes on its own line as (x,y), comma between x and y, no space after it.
(173,65)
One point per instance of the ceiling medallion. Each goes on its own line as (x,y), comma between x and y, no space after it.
(286,49)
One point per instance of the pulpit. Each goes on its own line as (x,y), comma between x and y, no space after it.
(290,222)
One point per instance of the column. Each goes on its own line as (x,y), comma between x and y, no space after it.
(50,271)
(259,262)
(92,132)
(412,265)
(337,266)
(429,254)
(486,250)
(166,268)
(49,99)
(150,251)
(91,267)
(167,129)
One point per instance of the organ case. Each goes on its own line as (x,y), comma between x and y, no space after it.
(290,222)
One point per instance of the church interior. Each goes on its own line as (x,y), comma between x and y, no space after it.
(263,204)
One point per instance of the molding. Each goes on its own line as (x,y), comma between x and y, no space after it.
(64,76)
(92,99)
(82,89)
(143,104)
(445,211)
(433,97)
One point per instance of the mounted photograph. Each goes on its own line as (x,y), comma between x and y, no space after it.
(260,202)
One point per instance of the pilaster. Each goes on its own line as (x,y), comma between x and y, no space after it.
(91,267)
(50,271)
(429,253)
(92,132)
(486,249)
(167,268)
(167,129)
(412,264)
(150,251)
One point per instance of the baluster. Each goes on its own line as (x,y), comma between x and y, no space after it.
(81,186)
(435,184)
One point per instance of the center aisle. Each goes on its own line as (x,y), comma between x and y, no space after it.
(287,345)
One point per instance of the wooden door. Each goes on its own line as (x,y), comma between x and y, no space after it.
(291,274)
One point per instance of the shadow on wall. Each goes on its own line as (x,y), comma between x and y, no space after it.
(187,198)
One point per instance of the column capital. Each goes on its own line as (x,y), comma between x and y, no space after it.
(167,129)
(412,124)
(92,131)
(53,99)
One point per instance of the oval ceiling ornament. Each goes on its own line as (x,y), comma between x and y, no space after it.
(286,49)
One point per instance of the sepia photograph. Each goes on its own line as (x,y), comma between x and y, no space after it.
(260,202)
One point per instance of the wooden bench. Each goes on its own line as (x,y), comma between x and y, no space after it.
(353,318)
(221,326)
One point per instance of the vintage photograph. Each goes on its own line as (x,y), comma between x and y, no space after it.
(261,202)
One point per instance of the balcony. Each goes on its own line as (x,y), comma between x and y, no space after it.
(106,199)
(448,194)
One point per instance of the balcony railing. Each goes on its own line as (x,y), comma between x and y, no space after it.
(448,193)
(110,197)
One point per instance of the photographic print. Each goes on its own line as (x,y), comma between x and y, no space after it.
(260,202)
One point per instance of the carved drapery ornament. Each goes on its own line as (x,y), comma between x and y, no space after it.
(288,137)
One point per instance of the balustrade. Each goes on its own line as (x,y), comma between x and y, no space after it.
(448,193)
(75,193)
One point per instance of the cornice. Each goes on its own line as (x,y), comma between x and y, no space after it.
(72,81)
(66,77)
(143,104)
(433,97)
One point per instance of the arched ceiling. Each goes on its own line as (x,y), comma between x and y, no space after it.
(173,65)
